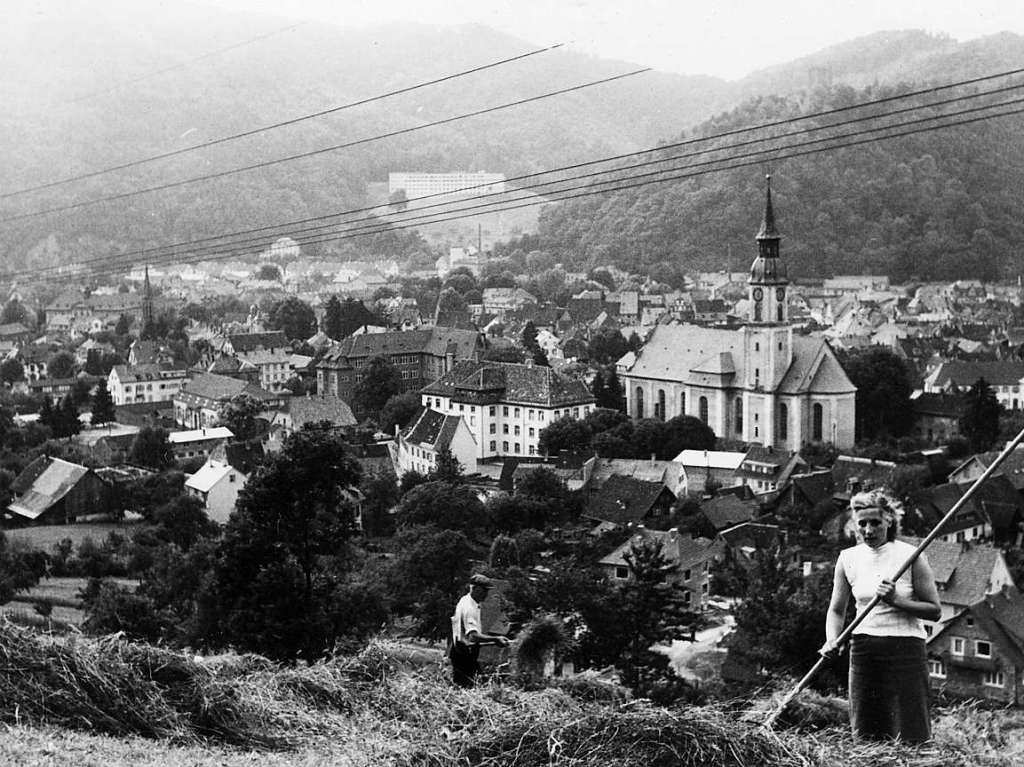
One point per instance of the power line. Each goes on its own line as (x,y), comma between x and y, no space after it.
(273,126)
(324,150)
(662,177)
(289,230)
(280,228)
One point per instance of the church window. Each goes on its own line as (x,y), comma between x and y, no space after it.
(783,422)
(757,346)
(757,311)
(778,313)
(682,403)
(639,402)
(817,416)
(738,416)
(703,408)
(659,406)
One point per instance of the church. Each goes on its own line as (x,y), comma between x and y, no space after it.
(758,383)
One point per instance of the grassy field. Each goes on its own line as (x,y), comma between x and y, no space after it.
(62,593)
(46,536)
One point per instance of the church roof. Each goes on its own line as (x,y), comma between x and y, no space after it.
(702,356)
(768,230)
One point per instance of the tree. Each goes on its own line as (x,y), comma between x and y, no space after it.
(241,415)
(275,583)
(20,568)
(15,311)
(295,317)
(607,346)
(269,273)
(398,411)
(380,496)
(333,319)
(151,448)
(980,420)
(65,418)
(61,365)
(11,371)
(444,505)
(183,521)
(123,326)
(529,339)
(381,381)
(102,405)
(884,385)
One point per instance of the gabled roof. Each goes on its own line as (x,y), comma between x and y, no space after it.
(199,435)
(248,342)
(1000,617)
(964,375)
(325,407)
(524,384)
(436,341)
(209,474)
(724,511)
(713,459)
(684,551)
(624,499)
(47,481)
(429,427)
(211,386)
(963,573)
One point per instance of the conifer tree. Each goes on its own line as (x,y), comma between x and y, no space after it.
(102,405)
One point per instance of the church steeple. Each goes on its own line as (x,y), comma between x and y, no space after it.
(768,281)
(147,303)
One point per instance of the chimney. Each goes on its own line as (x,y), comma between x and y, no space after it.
(653,458)
(529,362)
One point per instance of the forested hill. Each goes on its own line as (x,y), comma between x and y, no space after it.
(946,204)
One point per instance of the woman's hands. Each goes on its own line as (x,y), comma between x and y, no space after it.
(886,592)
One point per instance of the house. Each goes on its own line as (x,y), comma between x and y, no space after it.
(298,411)
(147,382)
(505,404)
(937,416)
(979,653)
(1012,467)
(766,470)
(428,433)
(421,356)
(994,501)
(197,443)
(743,541)
(964,573)
(197,405)
(1004,377)
(668,473)
(690,558)
(625,501)
(701,467)
(219,480)
(269,352)
(727,511)
(760,383)
(501,300)
(51,491)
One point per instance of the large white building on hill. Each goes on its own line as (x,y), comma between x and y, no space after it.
(759,383)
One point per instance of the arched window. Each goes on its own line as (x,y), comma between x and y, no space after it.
(682,403)
(738,414)
(703,409)
(659,406)
(817,416)
(639,402)
(783,422)
(779,313)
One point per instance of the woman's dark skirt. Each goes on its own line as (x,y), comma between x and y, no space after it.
(889,688)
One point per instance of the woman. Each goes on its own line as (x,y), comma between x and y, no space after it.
(888,664)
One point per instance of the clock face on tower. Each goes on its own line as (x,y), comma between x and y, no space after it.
(758,294)
(780,293)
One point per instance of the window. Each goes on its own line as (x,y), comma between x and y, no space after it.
(970,621)
(504,410)
(757,347)
(682,403)
(817,416)
(686,575)
(492,410)
(783,424)
(494,428)
(533,432)
(621,572)
(659,406)
(639,402)
(704,588)
(957,647)
(575,412)
(533,450)
(462,408)
(529,415)
(983,649)
(504,447)
(472,420)
(504,428)
(494,446)
(686,598)
(517,412)
(231,477)
(518,430)
(738,414)
(519,448)
(994,679)
(937,668)
(702,406)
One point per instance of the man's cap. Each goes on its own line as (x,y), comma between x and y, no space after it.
(481,580)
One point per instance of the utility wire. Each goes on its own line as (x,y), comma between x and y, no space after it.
(724,164)
(237,246)
(273,126)
(324,150)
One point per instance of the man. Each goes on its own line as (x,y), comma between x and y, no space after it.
(468,634)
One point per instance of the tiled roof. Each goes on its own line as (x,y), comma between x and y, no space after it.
(623,500)
(523,384)
(428,427)
(320,408)
(1001,616)
(944,405)
(963,572)
(209,474)
(437,341)
(815,487)
(213,386)
(684,551)
(965,374)
(247,342)
(724,511)
(199,435)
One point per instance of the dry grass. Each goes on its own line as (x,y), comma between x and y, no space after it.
(393,706)
(44,537)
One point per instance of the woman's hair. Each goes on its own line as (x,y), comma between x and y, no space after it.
(881,500)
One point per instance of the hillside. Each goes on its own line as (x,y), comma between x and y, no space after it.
(88,86)
(108,701)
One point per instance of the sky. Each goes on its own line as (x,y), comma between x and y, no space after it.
(724,38)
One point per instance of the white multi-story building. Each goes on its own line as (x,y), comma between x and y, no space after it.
(151,382)
(506,405)
(459,182)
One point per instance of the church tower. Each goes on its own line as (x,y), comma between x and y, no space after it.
(768,286)
(147,303)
